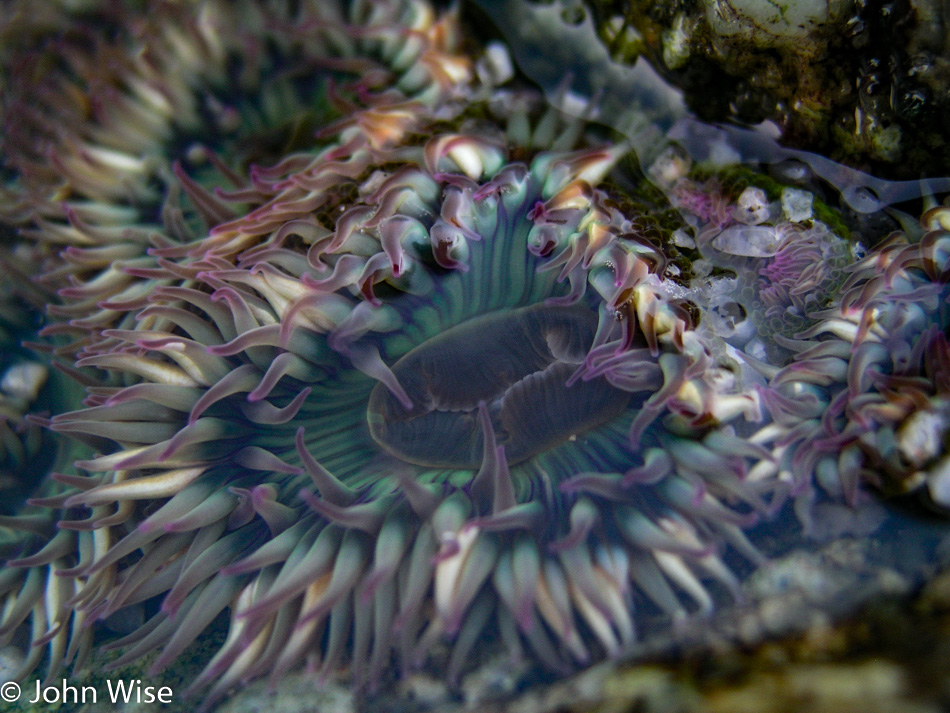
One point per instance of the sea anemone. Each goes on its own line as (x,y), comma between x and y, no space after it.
(425,377)
(413,389)
(803,278)
(106,118)
(853,344)
(104,110)
(864,399)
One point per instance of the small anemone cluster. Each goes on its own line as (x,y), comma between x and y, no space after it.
(864,398)
(786,263)
(421,381)
(852,343)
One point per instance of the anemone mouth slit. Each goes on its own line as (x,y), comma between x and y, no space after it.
(518,364)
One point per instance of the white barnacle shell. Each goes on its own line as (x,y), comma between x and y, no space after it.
(748,241)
